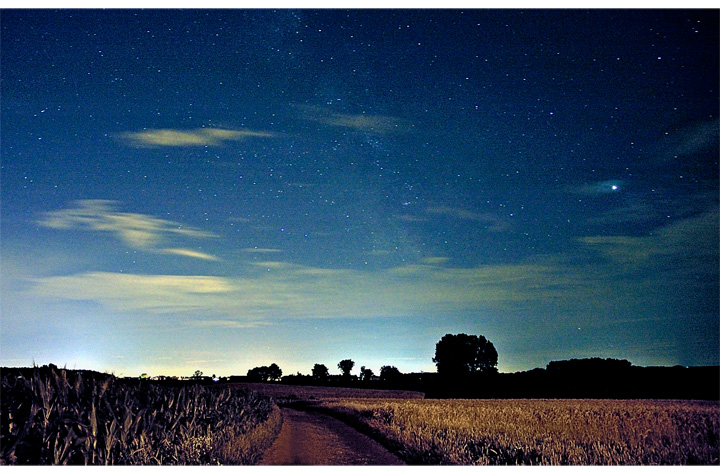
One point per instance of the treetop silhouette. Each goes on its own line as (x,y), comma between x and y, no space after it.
(457,355)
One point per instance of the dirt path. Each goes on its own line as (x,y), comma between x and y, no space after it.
(316,439)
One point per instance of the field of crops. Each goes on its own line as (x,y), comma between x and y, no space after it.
(63,417)
(541,432)
(289,393)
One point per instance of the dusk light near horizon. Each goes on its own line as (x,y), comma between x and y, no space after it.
(217,190)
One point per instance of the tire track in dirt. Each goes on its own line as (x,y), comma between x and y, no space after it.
(317,439)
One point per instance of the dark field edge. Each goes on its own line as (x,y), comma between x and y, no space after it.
(250,448)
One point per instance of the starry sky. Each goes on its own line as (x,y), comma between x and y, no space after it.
(217,190)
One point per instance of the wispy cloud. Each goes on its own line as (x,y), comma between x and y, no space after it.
(188,253)
(696,138)
(380,124)
(260,250)
(160,294)
(685,247)
(197,137)
(206,361)
(491,221)
(435,260)
(138,231)
(227,324)
(633,212)
(410,218)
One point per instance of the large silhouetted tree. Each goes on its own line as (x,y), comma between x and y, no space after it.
(457,355)
(320,372)
(257,374)
(389,373)
(274,372)
(265,373)
(346,366)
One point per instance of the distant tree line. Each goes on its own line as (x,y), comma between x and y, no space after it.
(467,368)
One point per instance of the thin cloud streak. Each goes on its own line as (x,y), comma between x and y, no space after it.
(260,250)
(156,294)
(198,137)
(138,231)
(227,324)
(492,222)
(189,253)
(380,124)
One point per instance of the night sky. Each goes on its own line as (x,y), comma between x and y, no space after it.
(217,190)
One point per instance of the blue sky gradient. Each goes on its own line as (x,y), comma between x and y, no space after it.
(222,189)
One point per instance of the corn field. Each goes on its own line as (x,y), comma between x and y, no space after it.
(541,432)
(61,417)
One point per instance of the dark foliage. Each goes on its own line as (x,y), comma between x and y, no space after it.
(346,365)
(320,372)
(460,355)
(265,373)
(389,373)
(366,374)
(586,378)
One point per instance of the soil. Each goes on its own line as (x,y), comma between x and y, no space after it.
(309,438)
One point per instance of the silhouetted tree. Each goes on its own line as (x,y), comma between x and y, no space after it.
(320,372)
(274,372)
(265,373)
(257,374)
(197,375)
(457,355)
(389,373)
(346,366)
(365,374)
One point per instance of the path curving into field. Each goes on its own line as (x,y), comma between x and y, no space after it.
(309,438)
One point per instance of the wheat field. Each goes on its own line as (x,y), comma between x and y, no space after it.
(541,432)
